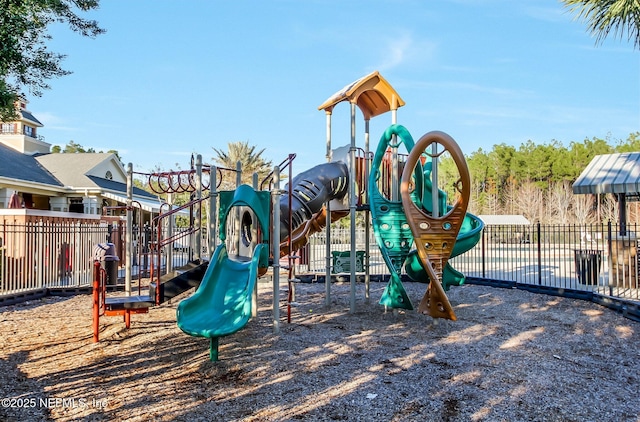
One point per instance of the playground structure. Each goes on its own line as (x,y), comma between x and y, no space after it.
(258,227)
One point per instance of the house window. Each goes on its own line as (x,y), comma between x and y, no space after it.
(108,175)
(8,127)
(29,131)
(75,205)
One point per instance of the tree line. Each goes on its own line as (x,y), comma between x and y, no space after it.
(535,180)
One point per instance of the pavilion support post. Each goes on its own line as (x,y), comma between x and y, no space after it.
(622,212)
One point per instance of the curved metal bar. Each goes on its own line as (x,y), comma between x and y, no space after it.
(182,181)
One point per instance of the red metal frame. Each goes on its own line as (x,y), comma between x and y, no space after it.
(160,242)
(286,163)
(131,208)
(99,308)
(99,274)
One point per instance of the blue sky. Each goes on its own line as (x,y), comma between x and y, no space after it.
(171,78)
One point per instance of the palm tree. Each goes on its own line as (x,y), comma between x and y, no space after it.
(250,160)
(604,15)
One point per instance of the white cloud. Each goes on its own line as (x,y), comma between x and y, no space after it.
(548,14)
(404,50)
(52,121)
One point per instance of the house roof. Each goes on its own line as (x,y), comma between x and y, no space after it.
(71,169)
(15,165)
(115,186)
(28,116)
(118,191)
(68,173)
(610,173)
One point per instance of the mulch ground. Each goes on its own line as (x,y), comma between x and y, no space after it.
(511,355)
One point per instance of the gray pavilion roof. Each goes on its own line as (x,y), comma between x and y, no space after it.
(610,173)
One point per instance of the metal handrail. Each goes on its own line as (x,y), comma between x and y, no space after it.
(160,242)
(287,162)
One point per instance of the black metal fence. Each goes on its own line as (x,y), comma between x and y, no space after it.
(43,255)
(40,255)
(597,262)
(596,258)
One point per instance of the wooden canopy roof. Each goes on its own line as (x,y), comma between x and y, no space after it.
(371,93)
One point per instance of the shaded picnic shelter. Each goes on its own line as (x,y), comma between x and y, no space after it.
(617,174)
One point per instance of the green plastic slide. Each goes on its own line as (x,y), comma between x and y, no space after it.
(392,232)
(222,304)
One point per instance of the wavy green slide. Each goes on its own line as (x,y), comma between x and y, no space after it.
(222,303)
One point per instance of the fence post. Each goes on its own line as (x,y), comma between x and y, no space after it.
(38,261)
(539,231)
(610,252)
(484,252)
(72,265)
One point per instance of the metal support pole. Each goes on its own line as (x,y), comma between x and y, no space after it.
(254,302)
(276,249)
(395,186)
(327,279)
(197,244)
(237,225)
(395,177)
(238,173)
(128,237)
(327,255)
(352,207)
(291,297)
(213,215)
(367,249)
(170,226)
